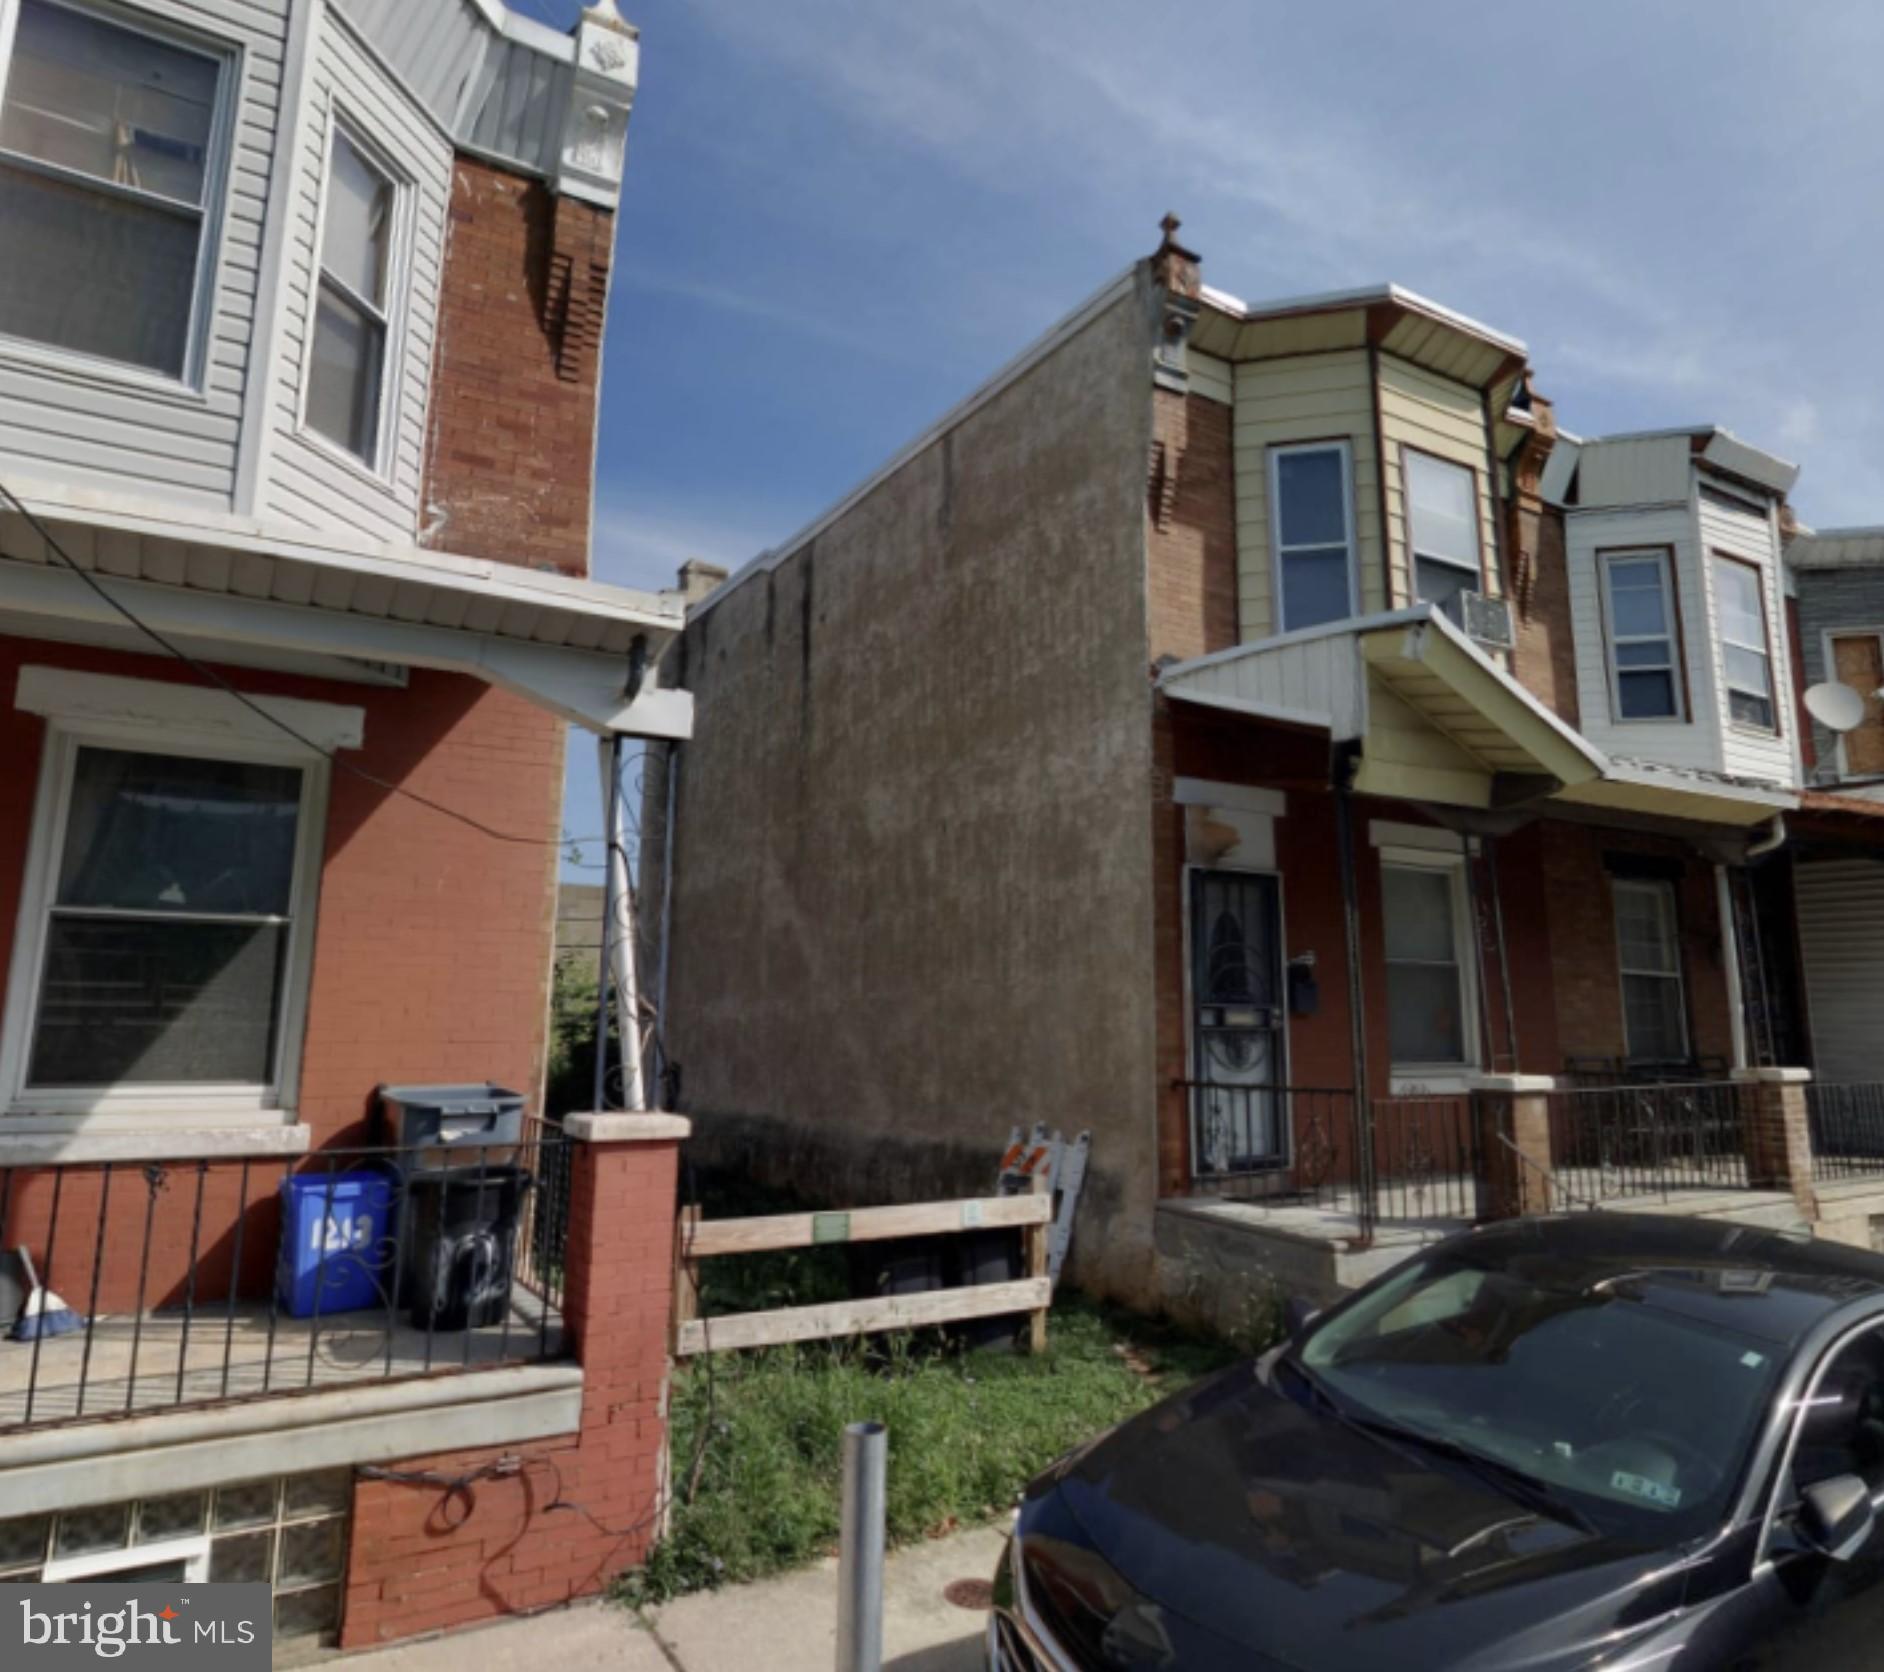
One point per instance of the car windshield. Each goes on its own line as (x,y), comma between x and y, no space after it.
(1638,1414)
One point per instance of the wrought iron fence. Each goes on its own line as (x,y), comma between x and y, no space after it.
(1648,1140)
(200,1281)
(1847,1127)
(1413,1159)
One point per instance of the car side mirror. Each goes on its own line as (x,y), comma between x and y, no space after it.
(1298,1313)
(1836,1518)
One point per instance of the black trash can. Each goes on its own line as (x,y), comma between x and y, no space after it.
(460,1240)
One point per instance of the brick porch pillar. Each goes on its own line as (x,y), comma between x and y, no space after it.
(1512,1113)
(1777,1133)
(542,1521)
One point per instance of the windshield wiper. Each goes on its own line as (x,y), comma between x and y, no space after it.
(1508,1477)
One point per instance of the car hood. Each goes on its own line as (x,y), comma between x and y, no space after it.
(1251,1522)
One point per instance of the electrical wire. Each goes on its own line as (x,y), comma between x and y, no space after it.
(210,676)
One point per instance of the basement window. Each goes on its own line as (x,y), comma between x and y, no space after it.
(1312,528)
(346,376)
(1745,648)
(111,158)
(1442,524)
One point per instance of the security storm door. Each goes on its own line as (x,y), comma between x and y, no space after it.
(1237,1022)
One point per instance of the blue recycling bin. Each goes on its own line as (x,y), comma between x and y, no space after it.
(337,1242)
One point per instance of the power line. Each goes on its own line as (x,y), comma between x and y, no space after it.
(208,674)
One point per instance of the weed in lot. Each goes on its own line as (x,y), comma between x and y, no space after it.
(967,1430)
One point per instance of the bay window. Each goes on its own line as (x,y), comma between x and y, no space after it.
(347,364)
(1639,613)
(110,165)
(1442,529)
(1312,529)
(1745,647)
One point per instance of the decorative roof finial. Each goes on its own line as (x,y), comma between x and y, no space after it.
(1172,265)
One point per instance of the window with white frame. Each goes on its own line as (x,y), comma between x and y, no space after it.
(1639,611)
(1745,648)
(1442,526)
(1429,983)
(164,933)
(1648,949)
(110,166)
(1312,527)
(346,376)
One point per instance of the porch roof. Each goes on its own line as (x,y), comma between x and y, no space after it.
(1439,721)
(1436,718)
(558,641)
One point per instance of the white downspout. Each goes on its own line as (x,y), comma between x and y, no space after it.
(1730,956)
(618,929)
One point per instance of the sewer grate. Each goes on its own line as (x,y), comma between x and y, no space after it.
(977,1594)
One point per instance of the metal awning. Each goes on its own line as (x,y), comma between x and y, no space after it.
(1436,718)
(560,642)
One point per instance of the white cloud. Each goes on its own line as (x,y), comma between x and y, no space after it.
(638,544)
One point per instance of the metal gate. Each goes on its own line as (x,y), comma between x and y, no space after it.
(1239,1115)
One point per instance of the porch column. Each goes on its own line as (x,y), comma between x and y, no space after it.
(1778,1137)
(1512,1114)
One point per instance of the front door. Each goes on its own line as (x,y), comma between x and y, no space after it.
(1238,1119)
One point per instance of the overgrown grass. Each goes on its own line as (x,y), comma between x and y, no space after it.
(966,1431)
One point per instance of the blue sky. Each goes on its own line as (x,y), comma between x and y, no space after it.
(841,215)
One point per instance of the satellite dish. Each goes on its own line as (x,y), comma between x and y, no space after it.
(1835,706)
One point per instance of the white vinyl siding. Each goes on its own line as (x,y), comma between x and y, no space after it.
(1728,530)
(309,482)
(118,434)
(1315,397)
(1590,536)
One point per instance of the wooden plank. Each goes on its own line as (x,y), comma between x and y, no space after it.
(1037,1266)
(864,1317)
(919,1219)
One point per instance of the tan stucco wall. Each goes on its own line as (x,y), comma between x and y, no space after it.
(912,884)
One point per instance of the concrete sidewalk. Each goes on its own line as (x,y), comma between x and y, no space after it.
(781,1625)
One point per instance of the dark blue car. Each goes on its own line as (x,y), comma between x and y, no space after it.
(1603,1441)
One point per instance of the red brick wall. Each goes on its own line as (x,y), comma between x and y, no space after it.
(432,948)
(1190,527)
(510,460)
(569,1514)
(1583,942)
(1545,657)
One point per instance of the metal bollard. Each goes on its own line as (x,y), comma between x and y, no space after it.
(860,1556)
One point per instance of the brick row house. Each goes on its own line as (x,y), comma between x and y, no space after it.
(300,319)
(1263,736)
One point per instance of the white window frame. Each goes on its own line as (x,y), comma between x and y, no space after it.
(193,1552)
(1414,1077)
(1344,449)
(175,1107)
(1611,638)
(218,179)
(1669,909)
(1766,650)
(392,317)
(1415,556)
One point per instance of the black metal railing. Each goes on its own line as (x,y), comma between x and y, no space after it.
(1426,1159)
(1648,1140)
(1413,1159)
(201,1281)
(1847,1127)
(1595,1073)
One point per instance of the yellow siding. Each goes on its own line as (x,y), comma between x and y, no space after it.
(1435,415)
(1314,397)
